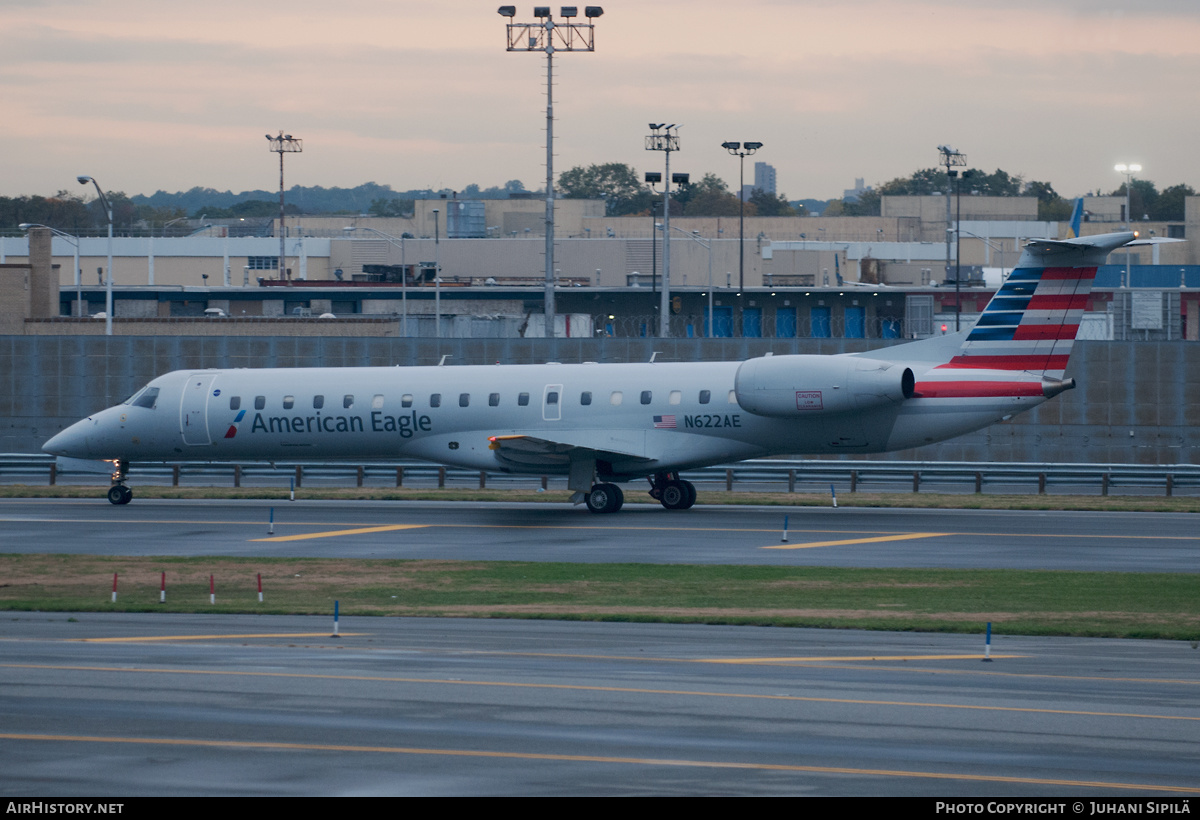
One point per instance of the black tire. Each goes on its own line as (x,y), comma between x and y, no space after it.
(116,495)
(691,490)
(126,495)
(675,495)
(605,498)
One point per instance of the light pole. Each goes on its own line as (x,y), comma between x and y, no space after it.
(283,144)
(108,284)
(695,237)
(549,37)
(74,240)
(952,159)
(741,150)
(403,273)
(665,138)
(1128,171)
(437,277)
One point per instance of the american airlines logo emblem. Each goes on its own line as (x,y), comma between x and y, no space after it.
(232,431)
(664,422)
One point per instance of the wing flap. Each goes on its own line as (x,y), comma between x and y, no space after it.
(526,449)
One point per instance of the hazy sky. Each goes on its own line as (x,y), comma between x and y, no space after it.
(147,95)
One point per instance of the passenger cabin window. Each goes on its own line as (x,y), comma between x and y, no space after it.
(235,402)
(523,399)
(585,398)
(705,396)
(377,402)
(406,400)
(347,401)
(435,400)
(675,397)
(615,398)
(146,398)
(318,402)
(552,397)
(646,396)
(289,402)
(260,402)
(494,400)
(464,399)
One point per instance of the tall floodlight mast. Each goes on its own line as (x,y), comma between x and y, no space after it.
(283,144)
(549,37)
(1128,171)
(665,138)
(741,150)
(952,159)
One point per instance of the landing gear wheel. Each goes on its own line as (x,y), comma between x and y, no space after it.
(675,495)
(118,493)
(691,489)
(605,498)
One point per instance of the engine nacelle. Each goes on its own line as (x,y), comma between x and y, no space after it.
(790,386)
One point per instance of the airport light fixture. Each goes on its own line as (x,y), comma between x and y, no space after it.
(108,283)
(952,159)
(549,37)
(350,229)
(741,150)
(283,144)
(74,240)
(1128,171)
(665,138)
(437,276)
(707,245)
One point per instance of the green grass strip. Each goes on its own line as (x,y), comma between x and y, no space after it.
(1101,604)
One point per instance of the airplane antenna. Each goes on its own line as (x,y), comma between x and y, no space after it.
(443,361)
(652,355)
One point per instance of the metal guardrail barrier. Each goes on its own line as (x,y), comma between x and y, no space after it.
(761,475)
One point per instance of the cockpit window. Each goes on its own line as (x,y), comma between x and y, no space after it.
(145,398)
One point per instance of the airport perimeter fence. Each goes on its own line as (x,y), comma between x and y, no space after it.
(760,475)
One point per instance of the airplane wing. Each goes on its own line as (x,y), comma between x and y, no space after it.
(527,450)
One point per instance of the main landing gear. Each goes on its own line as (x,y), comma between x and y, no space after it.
(118,493)
(605,498)
(672,491)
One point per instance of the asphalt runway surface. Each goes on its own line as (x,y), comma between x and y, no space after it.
(126,705)
(816,536)
(134,704)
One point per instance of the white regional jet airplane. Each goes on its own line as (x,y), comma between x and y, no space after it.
(601,424)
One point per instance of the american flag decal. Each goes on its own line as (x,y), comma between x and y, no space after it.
(664,422)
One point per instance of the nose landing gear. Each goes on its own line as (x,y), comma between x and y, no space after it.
(118,493)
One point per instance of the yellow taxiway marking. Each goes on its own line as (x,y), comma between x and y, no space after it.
(628,690)
(145,639)
(905,537)
(850,658)
(637,761)
(331,534)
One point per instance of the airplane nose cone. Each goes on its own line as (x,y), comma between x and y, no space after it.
(71,442)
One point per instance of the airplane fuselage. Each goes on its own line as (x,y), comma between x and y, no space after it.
(646,418)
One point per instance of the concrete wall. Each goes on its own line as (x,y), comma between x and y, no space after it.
(1137,402)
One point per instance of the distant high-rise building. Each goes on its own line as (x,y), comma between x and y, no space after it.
(764,177)
(852,194)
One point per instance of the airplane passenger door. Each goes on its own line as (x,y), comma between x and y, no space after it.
(552,402)
(193,409)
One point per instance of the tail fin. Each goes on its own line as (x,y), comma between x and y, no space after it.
(1031,322)
(1076,219)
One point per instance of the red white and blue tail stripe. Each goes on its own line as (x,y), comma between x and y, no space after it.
(1031,323)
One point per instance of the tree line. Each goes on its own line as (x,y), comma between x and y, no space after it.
(618,184)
